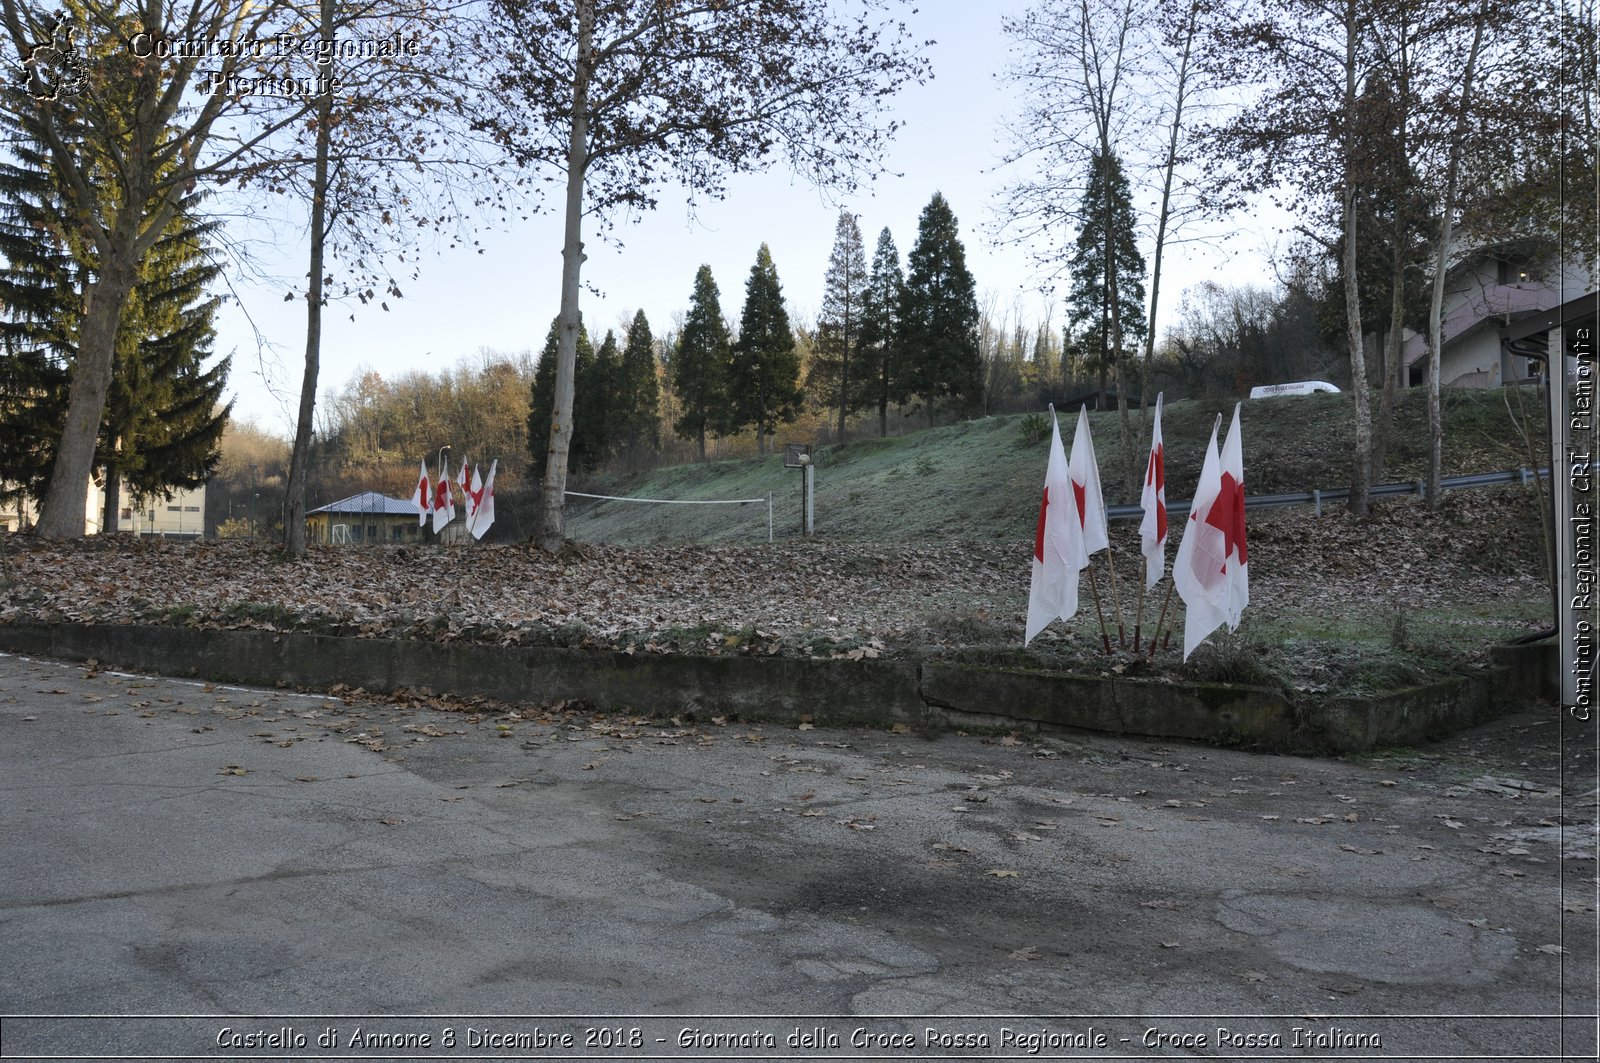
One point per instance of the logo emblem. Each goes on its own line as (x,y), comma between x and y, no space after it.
(56,69)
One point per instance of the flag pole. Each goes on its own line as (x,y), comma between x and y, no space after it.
(1138,620)
(1094,585)
(1161,619)
(1116,596)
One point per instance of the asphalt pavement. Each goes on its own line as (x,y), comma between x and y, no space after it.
(190,870)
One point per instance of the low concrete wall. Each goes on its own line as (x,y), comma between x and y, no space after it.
(871,692)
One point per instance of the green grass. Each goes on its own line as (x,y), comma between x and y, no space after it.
(981,479)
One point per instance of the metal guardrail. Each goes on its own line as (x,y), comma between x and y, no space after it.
(1180,509)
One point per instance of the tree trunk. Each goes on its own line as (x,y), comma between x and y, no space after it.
(1359,503)
(294,500)
(1391,357)
(64,509)
(108,511)
(552,527)
(1441,260)
(1164,214)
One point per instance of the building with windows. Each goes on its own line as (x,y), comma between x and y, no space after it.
(181,516)
(1488,289)
(368,518)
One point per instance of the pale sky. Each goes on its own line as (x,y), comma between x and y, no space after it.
(505,298)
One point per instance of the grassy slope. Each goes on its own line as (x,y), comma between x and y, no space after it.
(978,480)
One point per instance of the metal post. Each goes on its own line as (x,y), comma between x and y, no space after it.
(810,475)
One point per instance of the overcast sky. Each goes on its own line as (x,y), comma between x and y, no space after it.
(505,298)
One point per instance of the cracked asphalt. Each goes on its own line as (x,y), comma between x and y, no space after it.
(275,864)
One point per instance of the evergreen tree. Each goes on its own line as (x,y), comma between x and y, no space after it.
(544,395)
(939,314)
(765,377)
(883,369)
(833,372)
(700,364)
(37,341)
(163,419)
(592,404)
(1107,217)
(636,421)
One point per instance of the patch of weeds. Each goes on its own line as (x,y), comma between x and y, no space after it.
(856,495)
(177,615)
(966,628)
(926,466)
(1398,633)
(1032,430)
(258,613)
(571,634)
(1233,661)
(1380,676)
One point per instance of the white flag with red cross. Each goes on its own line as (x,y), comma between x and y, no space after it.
(1086,486)
(1238,551)
(1200,571)
(444,506)
(483,502)
(1153,526)
(422,497)
(1058,554)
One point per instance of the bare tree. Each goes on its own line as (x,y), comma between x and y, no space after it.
(621,95)
(1307,63)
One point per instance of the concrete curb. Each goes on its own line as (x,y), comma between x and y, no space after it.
(929,695)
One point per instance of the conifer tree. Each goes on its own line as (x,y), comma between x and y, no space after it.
(883,369)
(163,418)
(833,368)
(700,364)
(638,394)
(592,405)
(1097,322)
(544,393)
(765,377)
(939,314)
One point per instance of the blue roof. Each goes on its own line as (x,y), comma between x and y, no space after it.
(370,502)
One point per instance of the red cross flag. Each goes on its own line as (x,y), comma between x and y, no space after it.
(483,502)
(473,491)
(1200,571)
(1086,487)
(444,506)
(1153,527)
(422,497)
(1058,554)
(1238,552)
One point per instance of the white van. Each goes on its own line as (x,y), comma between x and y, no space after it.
(1303,387)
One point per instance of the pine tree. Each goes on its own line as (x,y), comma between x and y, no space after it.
(544,394)
(37,342)
(883,368)
(700,364)
(165,415)
(636,419)
(939,314)
(591,407)
(1091,315)
(765,377)
(833,371)
(162,422)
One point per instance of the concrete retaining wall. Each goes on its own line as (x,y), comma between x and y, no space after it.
(871,692)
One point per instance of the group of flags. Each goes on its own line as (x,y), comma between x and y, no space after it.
(1211,572)
(477,498)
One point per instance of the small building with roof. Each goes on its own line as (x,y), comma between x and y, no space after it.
(367,518)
